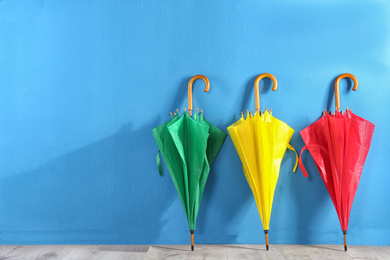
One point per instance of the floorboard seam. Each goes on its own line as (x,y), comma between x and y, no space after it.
(307,253)
(13,250)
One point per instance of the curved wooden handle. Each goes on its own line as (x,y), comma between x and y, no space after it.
(257,92)
(190,83)
(336,87)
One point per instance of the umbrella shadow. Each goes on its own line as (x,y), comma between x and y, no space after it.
(226,195)
(97,194)
(312,206)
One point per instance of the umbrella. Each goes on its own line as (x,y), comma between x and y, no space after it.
(261,141)
(188,146)
(339,144)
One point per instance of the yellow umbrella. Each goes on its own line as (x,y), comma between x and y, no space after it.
(261,141)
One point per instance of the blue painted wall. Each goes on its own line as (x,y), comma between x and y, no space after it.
(82,83)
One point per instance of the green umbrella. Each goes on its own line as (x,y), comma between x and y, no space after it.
(188,146)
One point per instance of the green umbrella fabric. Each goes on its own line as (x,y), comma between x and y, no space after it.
(188,147)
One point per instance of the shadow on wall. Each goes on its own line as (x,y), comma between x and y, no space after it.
(227,195)
(96,194)
(110,192)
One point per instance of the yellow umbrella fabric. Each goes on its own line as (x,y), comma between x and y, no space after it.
(261,141)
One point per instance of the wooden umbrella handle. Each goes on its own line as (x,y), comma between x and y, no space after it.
(257,92)
(190,83)
(336,87)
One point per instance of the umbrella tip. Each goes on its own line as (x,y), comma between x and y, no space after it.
(266,240)
(185,109)
(174,114)
(192,240)
(201,111)
(265,108)
(242,114)
(170,113)
(345,240)
(197,109)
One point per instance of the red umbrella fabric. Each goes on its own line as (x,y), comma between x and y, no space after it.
(339,145)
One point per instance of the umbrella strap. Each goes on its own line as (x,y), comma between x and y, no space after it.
(300,162)
(312,146)
(158,161)
(289,146)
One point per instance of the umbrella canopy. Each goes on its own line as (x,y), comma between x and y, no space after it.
(261,141)
(339,145)
(188,146)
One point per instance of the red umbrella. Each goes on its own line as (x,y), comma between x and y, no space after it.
(339,144)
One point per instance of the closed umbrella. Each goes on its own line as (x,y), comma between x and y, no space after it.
(188,146)
(339,145)
(261,141)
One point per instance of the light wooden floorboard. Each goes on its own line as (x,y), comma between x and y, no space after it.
(386,249)
(287,252)
(208,252)
(328,252)
(368,252)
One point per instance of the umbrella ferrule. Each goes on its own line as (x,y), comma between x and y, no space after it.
(192,240)
(345,240)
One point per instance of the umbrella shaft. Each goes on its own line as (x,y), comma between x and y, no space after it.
(345,242)
(192,239)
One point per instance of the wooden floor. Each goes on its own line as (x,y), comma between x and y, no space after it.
(113,252)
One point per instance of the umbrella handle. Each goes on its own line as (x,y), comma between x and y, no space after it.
(257,94)
(190,83)
(336,87)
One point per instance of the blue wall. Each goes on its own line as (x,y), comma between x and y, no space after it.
(82,84)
